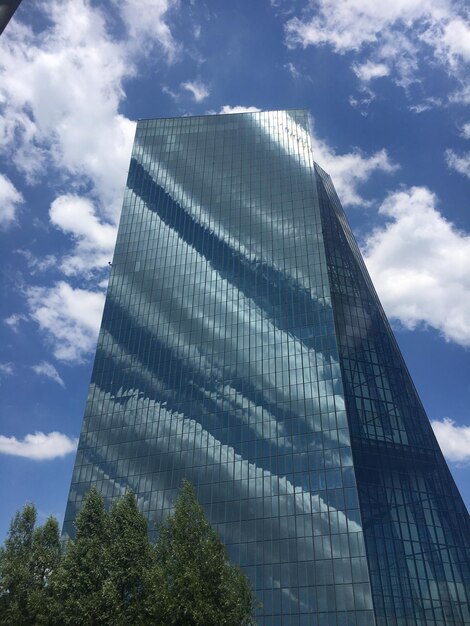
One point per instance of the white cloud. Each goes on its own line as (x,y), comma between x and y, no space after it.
(60,93)
(457,39)
(49,371)
(238,109)
(426,105)
(400,53)
(38,446)
(365,97)
(7,369)
(10,198)
(349,170)
(350,25)
(173,95)
(370,70)
(454,440)
(419,108)
(466,131)
(69,317)
(61,90)
(146,24)
(59,100)
(293,71)
(419,263)
(461,95)
(450,39)
(458,163)
(391,34)
(197,89)
(13,320)
(95,240)
(37,264)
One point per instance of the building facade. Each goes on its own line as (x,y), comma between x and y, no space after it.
(243,347)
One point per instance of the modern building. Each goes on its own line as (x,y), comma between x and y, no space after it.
(243,346)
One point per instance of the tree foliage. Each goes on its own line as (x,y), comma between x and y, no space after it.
(111,574)
(131,560)
(45,559)
(27,561)
(198,584)
(80,595)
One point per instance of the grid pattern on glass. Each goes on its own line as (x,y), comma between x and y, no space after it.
(217,361)
(415,524)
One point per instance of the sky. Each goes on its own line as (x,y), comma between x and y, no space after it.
(387,88)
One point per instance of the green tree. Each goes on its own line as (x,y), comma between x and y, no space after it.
(80,593)
(195,584)
(131,559)
(16,577)
(27,561)
(103,575)
(45,559)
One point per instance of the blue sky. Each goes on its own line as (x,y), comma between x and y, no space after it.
(386,87)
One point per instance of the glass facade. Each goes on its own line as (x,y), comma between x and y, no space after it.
(243,347)
(416,527)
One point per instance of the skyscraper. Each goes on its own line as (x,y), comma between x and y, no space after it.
(243,346)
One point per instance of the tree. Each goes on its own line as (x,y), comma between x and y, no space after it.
(45,559)
(16,577)
(80,593)
(195,583)
(102,576)
(130,560)
(27,562)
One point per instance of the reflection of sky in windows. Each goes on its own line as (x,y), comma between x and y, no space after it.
(253,204)
(217,360)
(232,333)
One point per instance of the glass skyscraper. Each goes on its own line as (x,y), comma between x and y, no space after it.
(243,347)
